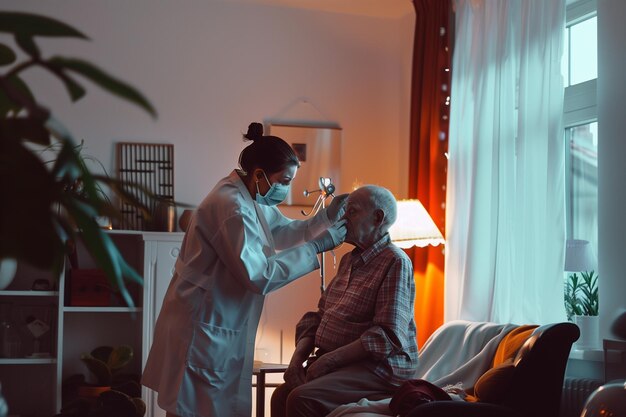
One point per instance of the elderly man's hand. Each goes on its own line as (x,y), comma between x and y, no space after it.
(325,364)
(336,207)
(340,357)
(294,376)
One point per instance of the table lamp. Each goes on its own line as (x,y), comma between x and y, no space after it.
(579,256)
(607,401)
(414,226)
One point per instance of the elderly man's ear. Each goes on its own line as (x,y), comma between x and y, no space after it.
(379,216)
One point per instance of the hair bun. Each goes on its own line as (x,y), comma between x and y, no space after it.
(255,131)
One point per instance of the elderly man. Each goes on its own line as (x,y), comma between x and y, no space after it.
(363,333)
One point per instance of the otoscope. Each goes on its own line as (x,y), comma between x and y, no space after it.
(326,188)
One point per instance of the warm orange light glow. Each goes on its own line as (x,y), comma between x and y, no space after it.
(414,226)
(428,301)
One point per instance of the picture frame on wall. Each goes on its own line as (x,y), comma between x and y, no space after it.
(319,152)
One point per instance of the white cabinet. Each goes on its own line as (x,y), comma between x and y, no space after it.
(160,254)
(79,329)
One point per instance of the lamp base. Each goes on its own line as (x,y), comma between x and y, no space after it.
(589,332)
(608,400)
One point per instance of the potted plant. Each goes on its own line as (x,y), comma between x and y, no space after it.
(582,306)
(111,393)
(106,362)
(45,206)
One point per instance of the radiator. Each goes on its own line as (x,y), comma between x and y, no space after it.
(575,393)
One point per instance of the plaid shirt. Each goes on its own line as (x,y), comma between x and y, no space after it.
(371,299)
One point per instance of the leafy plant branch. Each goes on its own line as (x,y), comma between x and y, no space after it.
(581,295)
(46,206)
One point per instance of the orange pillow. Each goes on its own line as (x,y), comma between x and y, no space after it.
(510,344)
(494,383)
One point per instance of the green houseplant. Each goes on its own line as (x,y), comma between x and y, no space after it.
(45,206)
(106,362)
(581,295)
(581,304)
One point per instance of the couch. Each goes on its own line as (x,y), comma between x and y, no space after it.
(489,370)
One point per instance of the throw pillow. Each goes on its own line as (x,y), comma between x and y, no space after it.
(510,344)
(494,383)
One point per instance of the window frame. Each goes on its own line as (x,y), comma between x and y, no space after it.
(580,105)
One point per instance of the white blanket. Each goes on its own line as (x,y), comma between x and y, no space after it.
(458,352)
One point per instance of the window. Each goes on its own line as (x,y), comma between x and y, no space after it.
(580,72)
(582,181)
(581,53)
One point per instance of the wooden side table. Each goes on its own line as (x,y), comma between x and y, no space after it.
(260,371)
(614,359)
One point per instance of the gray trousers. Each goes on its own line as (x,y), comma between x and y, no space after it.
(322,395)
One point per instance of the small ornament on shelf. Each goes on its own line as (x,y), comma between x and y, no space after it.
(37,328)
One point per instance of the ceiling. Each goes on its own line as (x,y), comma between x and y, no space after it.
(390,9)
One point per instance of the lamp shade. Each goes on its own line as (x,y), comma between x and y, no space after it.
(579,256)
(414,226)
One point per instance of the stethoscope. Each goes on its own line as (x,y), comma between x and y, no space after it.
(326,189)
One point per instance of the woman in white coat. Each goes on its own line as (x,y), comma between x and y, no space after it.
(237,248)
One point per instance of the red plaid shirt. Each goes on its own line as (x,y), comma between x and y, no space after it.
(371,299)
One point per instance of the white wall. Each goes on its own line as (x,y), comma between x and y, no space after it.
(211,67)
(611,167)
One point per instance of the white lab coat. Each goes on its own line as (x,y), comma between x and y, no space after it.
(201,358)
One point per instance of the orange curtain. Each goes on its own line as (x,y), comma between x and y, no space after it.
(428,143)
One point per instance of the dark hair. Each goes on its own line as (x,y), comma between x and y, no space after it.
(270,153)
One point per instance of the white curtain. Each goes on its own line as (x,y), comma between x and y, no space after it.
(505,212)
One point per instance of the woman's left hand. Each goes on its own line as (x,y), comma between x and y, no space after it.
(336,207)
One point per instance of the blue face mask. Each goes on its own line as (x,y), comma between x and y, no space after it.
(275,195)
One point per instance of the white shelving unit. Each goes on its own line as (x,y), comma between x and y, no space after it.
(20,293)
(79,329)
(27,361)
(96,310)
(24,377)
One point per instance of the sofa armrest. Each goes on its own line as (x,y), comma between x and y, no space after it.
(462,409)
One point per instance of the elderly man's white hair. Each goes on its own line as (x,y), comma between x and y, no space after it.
(381,198)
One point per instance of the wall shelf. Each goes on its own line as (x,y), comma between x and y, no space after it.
(27,361)
(102,309)
(29,293)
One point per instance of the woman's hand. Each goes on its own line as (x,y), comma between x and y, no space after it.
(330,238)
(336,207)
